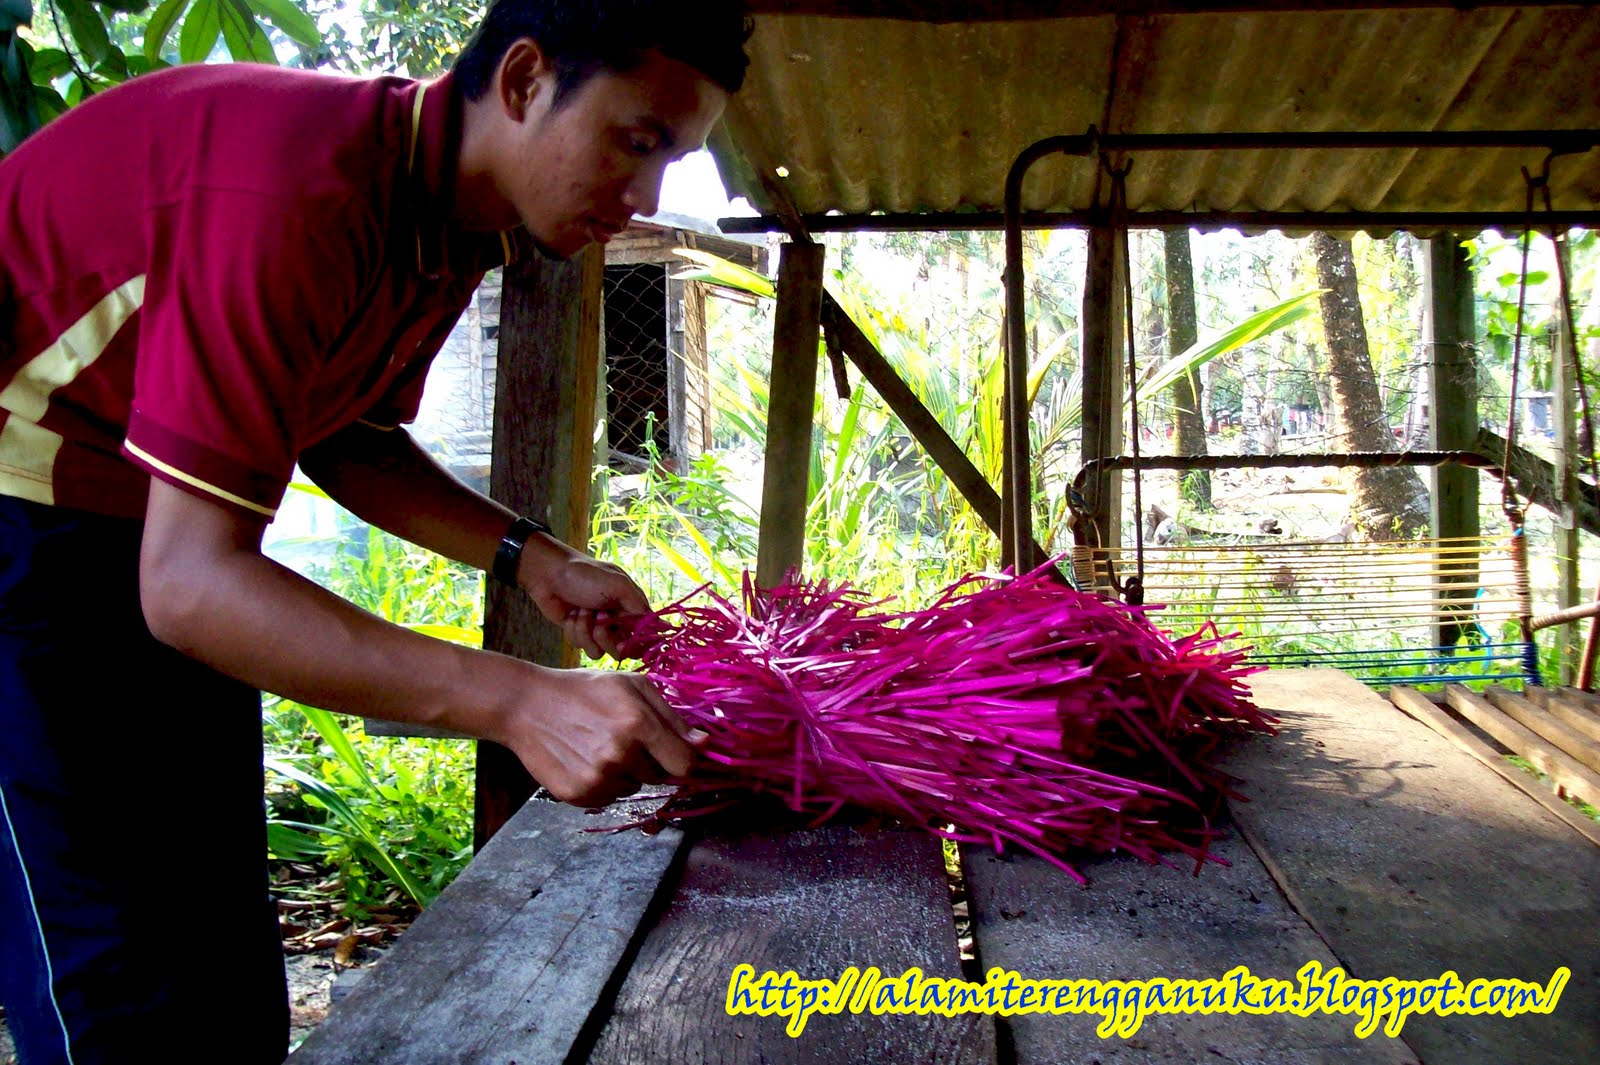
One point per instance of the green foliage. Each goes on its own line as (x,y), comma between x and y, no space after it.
(419,39)
(380,816)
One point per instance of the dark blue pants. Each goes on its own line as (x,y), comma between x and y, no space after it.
(134,915)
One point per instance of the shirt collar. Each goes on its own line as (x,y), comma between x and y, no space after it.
(433,144)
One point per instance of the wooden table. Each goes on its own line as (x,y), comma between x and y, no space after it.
(1369,842)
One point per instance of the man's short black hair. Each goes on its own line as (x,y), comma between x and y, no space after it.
(582,37)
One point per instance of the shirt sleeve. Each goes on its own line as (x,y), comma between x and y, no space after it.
(243,303)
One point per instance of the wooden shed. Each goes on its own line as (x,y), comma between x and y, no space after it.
(877,114)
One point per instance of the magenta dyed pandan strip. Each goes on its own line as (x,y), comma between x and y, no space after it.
(1015,710)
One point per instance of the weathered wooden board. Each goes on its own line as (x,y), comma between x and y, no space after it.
(1431,714)
(1412,859)
(1137,921)
(813,902)
(1569,706)
(509,963)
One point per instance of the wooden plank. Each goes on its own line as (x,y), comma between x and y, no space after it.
(1104,358)
(1136,921)
(515,955)
(1567,772)
(1405,851)
(543,451)
(1565,457)
(1525,713)
(1585,700)
(1573,703)
(812,902)
(1449,333)
(791,410)
(1426,711)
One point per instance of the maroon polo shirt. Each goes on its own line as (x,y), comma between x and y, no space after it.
(209,269)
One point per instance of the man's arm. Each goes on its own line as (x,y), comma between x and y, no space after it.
(587,735)
(386,479)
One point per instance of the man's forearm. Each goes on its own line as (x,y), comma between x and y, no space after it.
(385,478)
(293,638)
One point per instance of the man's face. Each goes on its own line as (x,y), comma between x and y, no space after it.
(579,171)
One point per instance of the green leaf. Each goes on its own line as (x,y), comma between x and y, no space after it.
(290,843)
(114,69)
(48,64)
(88,30)
(246,40)
(49,102)
(328,728)
(295,24)
(160,27)
(131,7)
(719,271)
(451,633)
(201,28)
(1262,323)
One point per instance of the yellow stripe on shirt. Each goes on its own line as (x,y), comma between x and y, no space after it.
(190,479)
(28,394)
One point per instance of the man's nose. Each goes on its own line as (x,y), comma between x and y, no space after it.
(643,195)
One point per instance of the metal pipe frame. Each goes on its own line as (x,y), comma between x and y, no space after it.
(1354,459)
(1016,496)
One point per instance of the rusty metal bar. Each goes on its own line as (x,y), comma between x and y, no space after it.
(1359,459)
(1017,542)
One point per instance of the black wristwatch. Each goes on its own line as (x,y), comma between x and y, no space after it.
(509,553)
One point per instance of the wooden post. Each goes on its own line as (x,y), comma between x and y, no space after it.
(1448,333)
(1564,417)
(1103,386)
(544,419)
(793,395)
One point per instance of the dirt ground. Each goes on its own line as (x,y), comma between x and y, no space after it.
(311,977)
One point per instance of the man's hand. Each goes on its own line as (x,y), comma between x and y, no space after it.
(594,602)
(591,736)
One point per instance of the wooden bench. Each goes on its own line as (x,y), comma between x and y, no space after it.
(1370,842)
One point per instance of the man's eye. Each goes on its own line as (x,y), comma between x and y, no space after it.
(640,145)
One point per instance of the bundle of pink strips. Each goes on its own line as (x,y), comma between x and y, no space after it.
(1014,712)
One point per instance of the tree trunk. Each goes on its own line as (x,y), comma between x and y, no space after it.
(1187,392)
(1389,503)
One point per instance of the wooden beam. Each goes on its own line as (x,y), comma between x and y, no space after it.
(919,421)
(790,412)
(1535,478)
(543,451)
(1424,710)
(1103,386)
(1448,333)
(1564,419)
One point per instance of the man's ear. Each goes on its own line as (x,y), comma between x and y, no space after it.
(523,75)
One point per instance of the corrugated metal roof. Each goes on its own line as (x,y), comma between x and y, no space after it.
(875,114)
